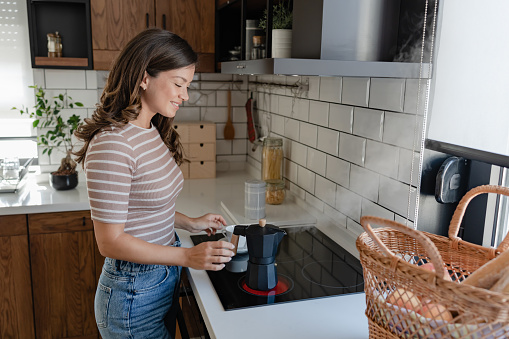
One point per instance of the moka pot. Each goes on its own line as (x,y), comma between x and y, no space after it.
(262,244)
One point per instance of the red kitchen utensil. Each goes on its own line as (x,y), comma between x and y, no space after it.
(250,124)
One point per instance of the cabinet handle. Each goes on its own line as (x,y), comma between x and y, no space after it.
(201,145)
(201,162)
(164,21)
(84,221)
(241,66)
(146,18)
(201,126)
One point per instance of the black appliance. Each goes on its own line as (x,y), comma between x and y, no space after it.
(262,245)
(309,265)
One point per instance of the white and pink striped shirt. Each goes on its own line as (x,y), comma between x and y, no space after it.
(132,179)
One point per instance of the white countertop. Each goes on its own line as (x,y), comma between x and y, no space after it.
(330,317)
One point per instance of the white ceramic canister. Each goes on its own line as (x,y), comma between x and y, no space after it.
(254,203)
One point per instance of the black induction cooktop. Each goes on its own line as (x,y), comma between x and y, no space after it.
(309,265)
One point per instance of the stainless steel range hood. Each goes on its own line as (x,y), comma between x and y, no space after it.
(375,69)
(351,38)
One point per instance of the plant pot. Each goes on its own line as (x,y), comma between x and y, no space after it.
(281,43)
(63,182)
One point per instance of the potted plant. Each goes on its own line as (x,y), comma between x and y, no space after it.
(281,29)
(56,132)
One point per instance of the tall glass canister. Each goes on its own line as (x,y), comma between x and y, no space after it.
(272,159)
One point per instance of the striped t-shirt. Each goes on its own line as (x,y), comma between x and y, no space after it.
(132,179)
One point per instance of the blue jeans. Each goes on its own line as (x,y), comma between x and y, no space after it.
(132,300)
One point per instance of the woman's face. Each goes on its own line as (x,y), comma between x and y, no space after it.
(165,93)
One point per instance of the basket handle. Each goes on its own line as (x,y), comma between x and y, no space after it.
(431,249)
(457,217)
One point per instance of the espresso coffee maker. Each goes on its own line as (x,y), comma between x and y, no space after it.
(262,244)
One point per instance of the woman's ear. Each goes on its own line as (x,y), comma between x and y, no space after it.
(144,81)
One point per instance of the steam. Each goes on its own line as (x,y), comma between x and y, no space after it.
(412,24)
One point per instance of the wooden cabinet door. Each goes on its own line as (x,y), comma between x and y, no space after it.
(16,309)
(114,23)
(64,274)
(194,20)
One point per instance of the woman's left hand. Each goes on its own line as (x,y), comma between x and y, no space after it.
(209,223)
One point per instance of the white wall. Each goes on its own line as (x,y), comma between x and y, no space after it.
(469,104)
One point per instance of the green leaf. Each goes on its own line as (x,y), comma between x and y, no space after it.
(44,151)
(35,123)
(79,104)
(49,152)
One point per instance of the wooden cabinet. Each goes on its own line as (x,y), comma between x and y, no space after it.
(115,22)
(199,142)
(64,266)
(16,315)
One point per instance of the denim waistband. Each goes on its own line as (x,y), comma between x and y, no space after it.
(128,266)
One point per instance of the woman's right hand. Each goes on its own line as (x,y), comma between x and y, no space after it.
(209,255)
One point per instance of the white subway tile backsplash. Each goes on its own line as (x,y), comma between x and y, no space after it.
(328,140)
(403,130)
(215,114)
(341,117)
(223,147)
(348,202)
(330,89)
(355,91)
(314,202)
(290,169)
(319,113)
(382,158)
(368,123)
(292,129)
(285,106)
(338,217)
(68,112)
(352,148)
(387,94)
(278,124)
(372,209)
(91,78)
(308,134)
(325,190)
(273,102)
(68,79)
(316,161)
(239,146)
(364,182)
(306,179)
(405,169)
(240,130)
(338,171)
(298,153)
(239,114)
(188,114)
(102,77)
(199,98)
(299,109)
(354,227)
(394,195)
(298,191)
(39,77)
(88,97)
(314,88)
(414,97)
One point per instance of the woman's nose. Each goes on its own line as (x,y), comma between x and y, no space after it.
(184,95)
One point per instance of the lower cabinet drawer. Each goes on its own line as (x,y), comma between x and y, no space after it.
(202,152)
(202,169)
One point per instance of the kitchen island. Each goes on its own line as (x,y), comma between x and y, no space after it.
(339,316)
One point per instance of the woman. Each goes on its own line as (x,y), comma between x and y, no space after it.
(131,155)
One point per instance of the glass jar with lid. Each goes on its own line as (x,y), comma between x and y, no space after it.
(275,192)
(272,159)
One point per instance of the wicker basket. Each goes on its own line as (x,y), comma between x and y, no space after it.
(396,287)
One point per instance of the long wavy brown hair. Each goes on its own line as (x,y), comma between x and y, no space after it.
(153,50)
